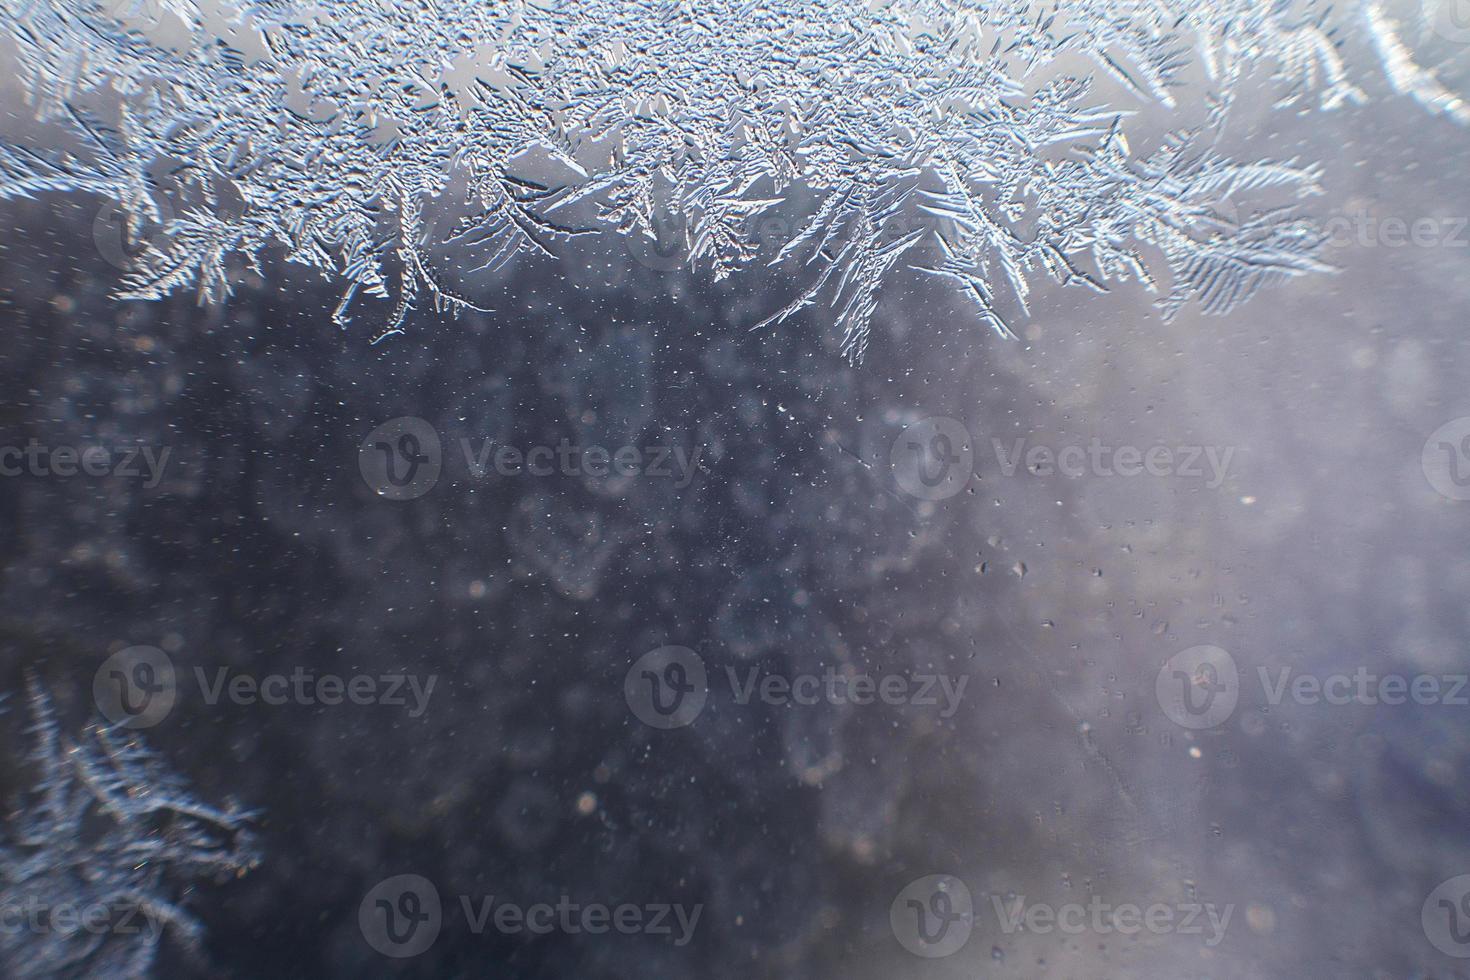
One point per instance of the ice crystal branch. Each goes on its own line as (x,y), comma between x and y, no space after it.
(362,139)
(92,870)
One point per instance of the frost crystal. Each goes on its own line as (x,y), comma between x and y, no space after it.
(91,871)
(363,138)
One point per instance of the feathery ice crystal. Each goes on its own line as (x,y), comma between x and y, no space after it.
(363,138)
(92,871)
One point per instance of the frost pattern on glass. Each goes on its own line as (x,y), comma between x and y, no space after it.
(338,132)
(112,834)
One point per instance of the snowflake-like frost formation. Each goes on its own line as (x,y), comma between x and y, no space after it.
(343,134)
(92,871)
